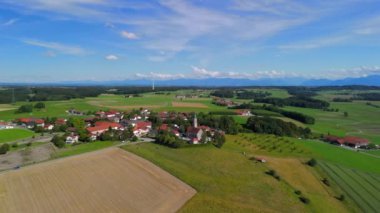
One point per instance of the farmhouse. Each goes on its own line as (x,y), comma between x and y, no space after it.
(30,123)
(72,138)
(351,141)
(5,125)
(142,128)
(244,112)
(165,127)
(101,127)
(60,121)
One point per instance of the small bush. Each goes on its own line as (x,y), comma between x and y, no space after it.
(4,148)
(341,197)
(29,144)
(312,162)
(326,181)
(15,145)
(298,192)
(304,200)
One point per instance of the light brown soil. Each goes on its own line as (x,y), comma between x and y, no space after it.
(110,180)
(189,104)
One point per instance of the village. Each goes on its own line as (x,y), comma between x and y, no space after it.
(120,126)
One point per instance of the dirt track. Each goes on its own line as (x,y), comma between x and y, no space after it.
(110,180)
(189,104)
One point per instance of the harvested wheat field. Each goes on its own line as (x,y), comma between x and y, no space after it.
(189,104)
(110,180)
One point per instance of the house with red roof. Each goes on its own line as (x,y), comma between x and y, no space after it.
(194,134)
(142,128)
(102,127)
(30,123)
(72,138)
(352,141)
(244,112)
(60,121)
(5,125)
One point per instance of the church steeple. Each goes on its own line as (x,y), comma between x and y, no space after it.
(195,122)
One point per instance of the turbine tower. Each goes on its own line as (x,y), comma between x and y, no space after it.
(153,84)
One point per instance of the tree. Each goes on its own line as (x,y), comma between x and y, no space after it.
(58,141)
(39,105)
(345,114)
(312,162)
(27,108)
(4,148)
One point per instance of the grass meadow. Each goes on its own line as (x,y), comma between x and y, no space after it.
(9,135)
(227,180)
(361,187)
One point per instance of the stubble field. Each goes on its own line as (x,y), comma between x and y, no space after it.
(110,180)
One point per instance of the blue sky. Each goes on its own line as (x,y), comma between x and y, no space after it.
(71,40)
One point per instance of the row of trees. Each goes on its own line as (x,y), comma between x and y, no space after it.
(169,139)
(225,93)
(277,127)
(245,94)
(298,101)
(225,123)
(28,108)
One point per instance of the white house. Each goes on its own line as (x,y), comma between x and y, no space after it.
(72,138)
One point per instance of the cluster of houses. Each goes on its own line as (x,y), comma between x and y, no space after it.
(6,125)
(103,121)
(351,141)
(223,102)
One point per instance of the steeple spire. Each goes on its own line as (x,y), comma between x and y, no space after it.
(195,122)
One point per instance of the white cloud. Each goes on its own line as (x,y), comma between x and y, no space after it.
(128,35)
(202,73)
(354,72)
(57,47)
(10,22)
(112,57)
(317,43)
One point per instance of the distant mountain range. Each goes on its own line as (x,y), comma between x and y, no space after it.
(373,80)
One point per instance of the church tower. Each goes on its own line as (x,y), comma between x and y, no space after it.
(195,122)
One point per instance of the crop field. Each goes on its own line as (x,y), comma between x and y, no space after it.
(345,157)
(363,188)
(268,145)
(189,104)
(362,120)
(9,135)
(5,107)
(303,178)
(110,180)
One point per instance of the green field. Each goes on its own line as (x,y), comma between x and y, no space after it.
(9,135)
(363,188)
(362,120)
(227,181)
(83,148)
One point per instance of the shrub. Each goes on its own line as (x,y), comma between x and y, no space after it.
(326,181)
(29,144)
(312,162)
(304,200)
(25,108)
(15,145)
(341,197)
(4,148)
(298,192)
(39,105)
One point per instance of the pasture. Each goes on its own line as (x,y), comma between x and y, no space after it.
(361,187)
(227,181)
(110,180)
(9,135)
(362,120)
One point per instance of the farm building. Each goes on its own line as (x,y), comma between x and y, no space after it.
(5,125)
(355,142)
